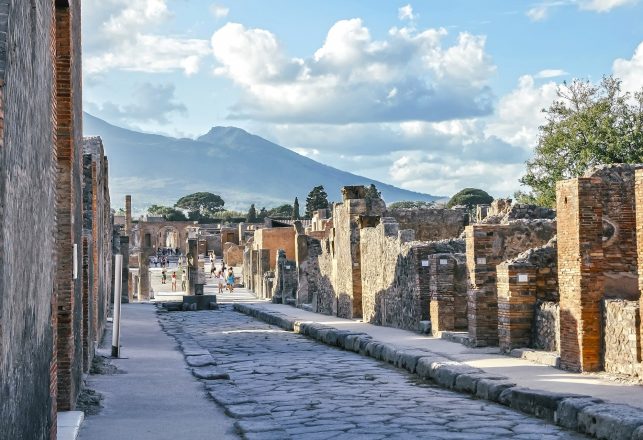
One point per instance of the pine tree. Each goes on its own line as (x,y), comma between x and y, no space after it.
(295,210)
(317,199)
(251,217)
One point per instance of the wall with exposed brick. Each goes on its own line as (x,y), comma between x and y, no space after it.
(639,235)
(487,246)
(431,224)
(274,239)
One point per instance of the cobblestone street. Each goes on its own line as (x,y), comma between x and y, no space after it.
(282,381)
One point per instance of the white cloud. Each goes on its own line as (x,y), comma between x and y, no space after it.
(604,5)
(219,11)
(406,13)
(630,71)
(410,75)
(519,114)
(119,35)
(538,13)
(551,73)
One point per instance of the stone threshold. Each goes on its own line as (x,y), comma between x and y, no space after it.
(581,413)
(550,358)
(68,424)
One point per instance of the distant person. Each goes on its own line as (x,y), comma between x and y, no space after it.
(213,268)
(173,281)
(220,281)
(184,280)
(231,280)
(163,277)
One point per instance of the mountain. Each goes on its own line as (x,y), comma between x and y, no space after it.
(241,167)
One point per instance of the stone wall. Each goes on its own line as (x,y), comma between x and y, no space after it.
(397,281)
(27,220)
(285,284)
(431,224)
(546,333)
(622,340)
(488,245)
(233,256)
(274,239)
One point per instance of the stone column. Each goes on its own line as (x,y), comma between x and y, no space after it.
(125,276)
(580,272)
(143,276)
(128,215)
(193,264)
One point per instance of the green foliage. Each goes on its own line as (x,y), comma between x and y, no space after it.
(587,125)
(410,205)
(167,212)
(317,199)
(283,211)
(295,210)
(372,194)
(200,204)
(470,197)
(251,216)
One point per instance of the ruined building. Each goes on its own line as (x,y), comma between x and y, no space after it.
(55,219)
(564,281)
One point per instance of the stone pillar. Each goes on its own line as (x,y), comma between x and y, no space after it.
(517,286)
(144,276)
(128,215)
(254,255)
(580,272)
(442,287)
(125,274)
(193,264)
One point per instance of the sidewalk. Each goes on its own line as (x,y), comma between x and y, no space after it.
(156,397)
(522,372)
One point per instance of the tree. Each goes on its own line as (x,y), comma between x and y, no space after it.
(587,125)
(200,204)
(167,212)
(372,194)
(411,205)
(283,211)
(295,210)
(251,217)
(317,199)
(470,197)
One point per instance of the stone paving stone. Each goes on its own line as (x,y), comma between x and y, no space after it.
(316,392)
(200,360)
(209,373)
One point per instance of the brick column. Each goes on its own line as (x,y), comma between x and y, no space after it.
(128,215)
(125,269)
(580,272)
(144,276)
(193,264)
(442,287)
(517,285)
(638,198)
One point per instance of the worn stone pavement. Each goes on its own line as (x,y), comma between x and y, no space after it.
(284,385)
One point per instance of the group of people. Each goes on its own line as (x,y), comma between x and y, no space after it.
(184,279)
(225,279)
(162,260)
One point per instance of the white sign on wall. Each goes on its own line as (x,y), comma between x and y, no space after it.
(444,261)
(75,261)
(288,267)
(523,278)
(481,260)
(425,263)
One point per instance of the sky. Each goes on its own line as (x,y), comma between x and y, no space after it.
(431,96)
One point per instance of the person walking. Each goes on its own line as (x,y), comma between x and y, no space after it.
(163,277)
(231,280)
(184,280)
(173,281)
(220,281)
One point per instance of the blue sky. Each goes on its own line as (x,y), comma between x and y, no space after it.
(431,96)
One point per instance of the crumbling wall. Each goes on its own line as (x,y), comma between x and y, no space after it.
(487,246)
(546,334)
(521,283)
(399,276)
(431,224)
(285,284)
(622,341)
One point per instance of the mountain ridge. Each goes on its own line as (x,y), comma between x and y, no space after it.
(242,167)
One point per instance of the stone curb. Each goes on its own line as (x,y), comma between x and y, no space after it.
(583,414)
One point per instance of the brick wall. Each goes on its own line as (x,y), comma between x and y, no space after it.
(27,216)
(580,272)
(487,246)
(274,239)
(639,235)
